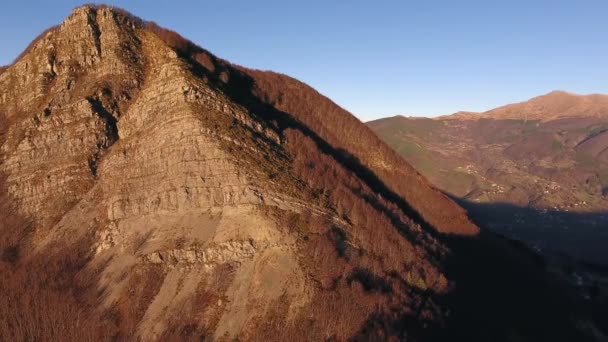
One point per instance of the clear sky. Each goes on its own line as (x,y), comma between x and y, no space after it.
(381,58)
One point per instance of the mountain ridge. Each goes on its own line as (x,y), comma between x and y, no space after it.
(553,105)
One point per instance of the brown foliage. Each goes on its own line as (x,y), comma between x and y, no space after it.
(335,127)
(46,296)
(345,132)
(39,302)
(358,278)
(187,49)
(143,285)
(42,297)
(366,266)
(173,39)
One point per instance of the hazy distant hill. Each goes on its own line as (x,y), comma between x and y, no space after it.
(554,105)
(553,165)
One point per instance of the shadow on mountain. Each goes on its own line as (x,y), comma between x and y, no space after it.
(492,274)
(533,294)
(581,235)
(504,293)
(239,86)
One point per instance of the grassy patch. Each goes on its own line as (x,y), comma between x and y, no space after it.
(585,160)
(402,126)
(456,182)
(407,148)
(557,146)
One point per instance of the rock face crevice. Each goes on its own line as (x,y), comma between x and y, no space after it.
(111,132)
(92,23)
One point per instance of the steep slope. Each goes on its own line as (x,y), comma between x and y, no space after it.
(151,190)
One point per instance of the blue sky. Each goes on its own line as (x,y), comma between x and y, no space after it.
(382,58)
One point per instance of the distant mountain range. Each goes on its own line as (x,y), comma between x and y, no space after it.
(551,106)
(535,170)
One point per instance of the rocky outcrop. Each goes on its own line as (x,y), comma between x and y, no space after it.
(113,132)
(66,120)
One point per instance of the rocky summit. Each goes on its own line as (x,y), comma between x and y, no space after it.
(150,190)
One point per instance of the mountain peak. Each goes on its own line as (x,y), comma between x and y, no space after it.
(553,105)
(88,10)
(85,18)
(556,104)
(556,96)
(560,92)
(161,161)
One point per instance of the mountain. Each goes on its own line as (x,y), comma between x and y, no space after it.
(551,106)
(151,190)
(543,179)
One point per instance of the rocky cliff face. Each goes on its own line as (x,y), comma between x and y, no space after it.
(200,205)
(107,136)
